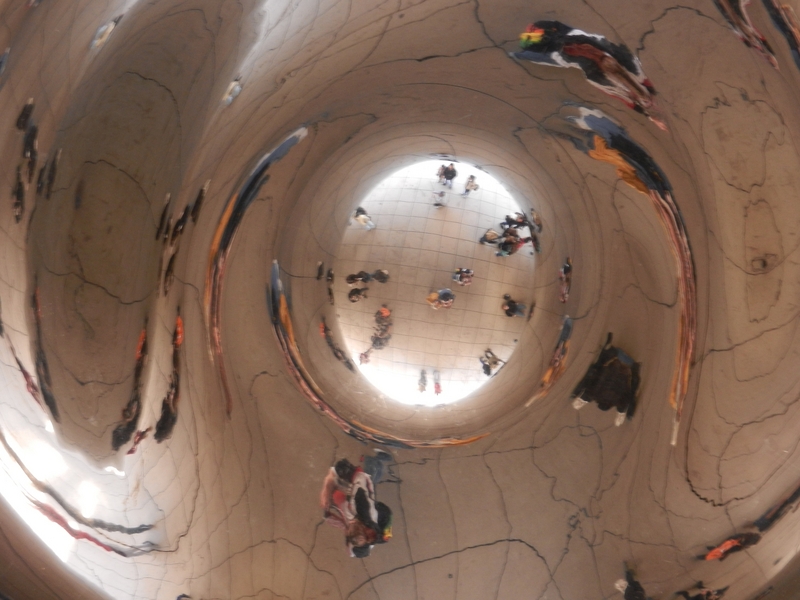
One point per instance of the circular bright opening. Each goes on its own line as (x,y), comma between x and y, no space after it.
(423,231)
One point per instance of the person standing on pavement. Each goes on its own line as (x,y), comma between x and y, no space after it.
(449,175)
(513,308)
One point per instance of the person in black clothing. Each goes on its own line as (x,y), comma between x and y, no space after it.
(381,275)
(513,308)
(357,294)
(630,587)
(517,221)
(449,174)
(703,593)
(25,115)
(361,276)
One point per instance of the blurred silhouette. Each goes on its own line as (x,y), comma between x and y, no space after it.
(25,115)
(489,361)
(233,90)
(612,68)
(736,15)
(490,237)
(463,277)
(769,518)
(630,587)
(349,503)
(104,32)
(123,432)
(169,405)
(470,185)
(565,279)
(785,19)
(18,195)
(357,294)
(362,217)
(450,174)
(338,353)
(180,224)
(198,202)
(162,222)
(513,308)
(51,174)
(612,381)
(169,274)
(703,593)
(360,277)
(137,439)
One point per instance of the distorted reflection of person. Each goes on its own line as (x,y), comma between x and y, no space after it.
(463,276)
(360,277)
(437,382)
(349,503)
(383,328)
(356,294)
(612,68)
(444,298)
(383,316)
(490,361)
(422,384)
(774,513)
(450,174)
(516,221)
(735,543)
(612,381)
(565,279)
(381,276)
(364,219)
(511,242)
(363,358)
(702,593)
(440,174)
(536,221)
(490,237)
(4,59)
(630,587)
(440,199)
(470,185)
(512,308)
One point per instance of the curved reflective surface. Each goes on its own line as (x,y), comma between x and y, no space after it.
(184,412)
(423,242)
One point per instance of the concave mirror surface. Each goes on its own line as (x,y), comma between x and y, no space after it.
(421,245)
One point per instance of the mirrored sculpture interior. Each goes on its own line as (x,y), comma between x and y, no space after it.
(357,300)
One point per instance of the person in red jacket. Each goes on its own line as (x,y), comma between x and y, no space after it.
(735,543)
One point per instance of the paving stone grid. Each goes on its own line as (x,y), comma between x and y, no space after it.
(421,245)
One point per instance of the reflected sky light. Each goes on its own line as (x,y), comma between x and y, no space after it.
(450,341)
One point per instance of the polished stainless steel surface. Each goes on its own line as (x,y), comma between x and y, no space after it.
(180,369)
